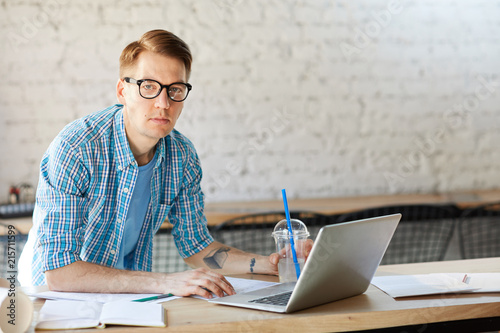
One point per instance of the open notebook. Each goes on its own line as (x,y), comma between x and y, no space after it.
(66,314)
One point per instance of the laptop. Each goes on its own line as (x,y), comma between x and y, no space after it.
(342,263)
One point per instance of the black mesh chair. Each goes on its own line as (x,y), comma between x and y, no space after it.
(10,249)
(166,257)
(314,221)
(253,233)
(479,232)
(423,233)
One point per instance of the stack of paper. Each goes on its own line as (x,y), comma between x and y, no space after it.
(437,283)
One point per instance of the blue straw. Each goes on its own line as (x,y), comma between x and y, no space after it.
(290,231)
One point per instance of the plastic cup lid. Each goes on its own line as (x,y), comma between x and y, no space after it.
(298,227)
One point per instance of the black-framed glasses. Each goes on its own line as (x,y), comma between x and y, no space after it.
(149,89)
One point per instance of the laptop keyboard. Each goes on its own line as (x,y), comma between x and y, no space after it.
(278,299)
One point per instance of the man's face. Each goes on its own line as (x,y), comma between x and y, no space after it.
(149,120)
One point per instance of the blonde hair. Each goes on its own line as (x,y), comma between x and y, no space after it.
(158,41)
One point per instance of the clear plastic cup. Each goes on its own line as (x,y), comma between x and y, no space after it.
(286,265)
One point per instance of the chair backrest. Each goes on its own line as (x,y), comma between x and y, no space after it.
(423,234)
(10,249)
(253,233)
(479,232)
(313,221)
(166,257)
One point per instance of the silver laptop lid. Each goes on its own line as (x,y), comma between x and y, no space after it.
(341,264)
(343,261)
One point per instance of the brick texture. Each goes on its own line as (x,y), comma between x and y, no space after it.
(323,98)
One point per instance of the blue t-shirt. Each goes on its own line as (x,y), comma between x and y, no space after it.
(136,215)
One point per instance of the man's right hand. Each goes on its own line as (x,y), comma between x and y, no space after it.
(201,281)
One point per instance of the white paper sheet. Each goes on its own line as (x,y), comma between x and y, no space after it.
(240,286)
(482,282)
(437,283)
(94,297)
(244,285)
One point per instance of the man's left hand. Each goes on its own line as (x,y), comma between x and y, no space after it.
(303,252)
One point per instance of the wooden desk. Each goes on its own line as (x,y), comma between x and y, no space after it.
(371,310)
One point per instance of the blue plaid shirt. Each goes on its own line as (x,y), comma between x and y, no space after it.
(87,178)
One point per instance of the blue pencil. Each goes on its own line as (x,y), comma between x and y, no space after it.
(290,231)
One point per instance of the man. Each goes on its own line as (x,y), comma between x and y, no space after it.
(109,180)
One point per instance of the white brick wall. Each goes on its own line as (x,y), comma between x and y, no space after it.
(323,98)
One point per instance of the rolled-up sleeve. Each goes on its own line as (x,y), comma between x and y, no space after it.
(60,206)
(187,214)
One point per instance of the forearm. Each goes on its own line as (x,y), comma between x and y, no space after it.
(83,276)
(87,277)
(228,260)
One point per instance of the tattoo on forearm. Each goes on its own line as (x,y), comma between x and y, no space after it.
(217,258)
(252,263)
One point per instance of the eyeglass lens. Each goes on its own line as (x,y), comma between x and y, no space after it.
(151,89)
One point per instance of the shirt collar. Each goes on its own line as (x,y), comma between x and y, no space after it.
(123,154)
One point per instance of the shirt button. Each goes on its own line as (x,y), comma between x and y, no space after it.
(125,190)
(119,220)
(112,251)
